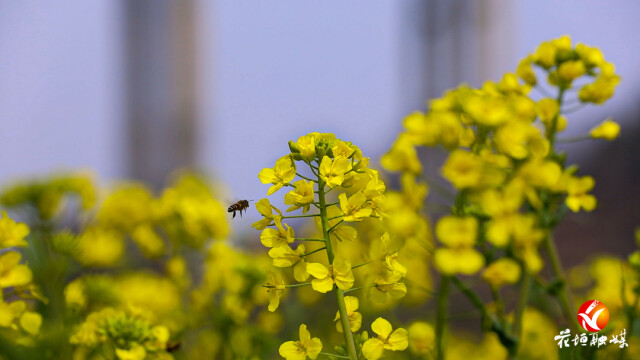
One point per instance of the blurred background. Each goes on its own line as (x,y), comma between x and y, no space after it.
(137,89)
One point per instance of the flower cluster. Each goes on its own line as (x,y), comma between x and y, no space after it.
(511,184)
(336,180)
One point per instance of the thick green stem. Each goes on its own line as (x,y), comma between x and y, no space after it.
(522,303)
(342,308)
(441,316)
(563,293)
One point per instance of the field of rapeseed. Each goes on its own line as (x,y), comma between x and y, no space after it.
(363,271)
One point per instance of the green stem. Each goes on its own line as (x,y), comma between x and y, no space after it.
(554,122)
(363,264)
(522,303)
(333,355)
(342,308)
(314,251)
(335,226)
(441,316)
(300,216)
(564,295)
(304,177)
(308,239)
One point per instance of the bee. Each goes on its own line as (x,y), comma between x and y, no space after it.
(239,206)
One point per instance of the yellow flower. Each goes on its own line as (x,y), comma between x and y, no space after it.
(387,286)
(519,139)
(10,312)
(30,322)
(352,207)
(608,130)
(339,273)
(600,90)
(12,273)
(525,72)
(463,169)
(299,350)
(12,233)
(99,247)
(275,290)
(341,148)
(501,272)
(387,339)
(281,236)
(487,109)
(265,208)
(285,256)
(465,261)
(545,55)
(148,240)
(307,146)
(591,56)
(540,173)
(282,173)
(577,198)
(402,156)
(571,70)
(456,231)
(137,352)
(355,318)
(547,109)
(421,337)
(301,197)
(332,172)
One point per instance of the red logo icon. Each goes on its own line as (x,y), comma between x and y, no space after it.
(593,315)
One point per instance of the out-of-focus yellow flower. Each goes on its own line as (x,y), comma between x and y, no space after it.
(571,70)
(526,237)
(600,90)
(545,55)
(577,189)
(99,247)
(463,169)
(300,350)
(281,236)
(355,318)
(338,273)
(275,290)
(12,273)
(402,156)
(30,322)
(538,332)
(265,208)
(547,109)
(456,231)
(387,339)
(525,71)
(487,110)
(352,207)
(421,338)
(608,130)
(10,311)
(148,240)
(12,233)
(74,293)
(540,173)
(282,173)
(301,197)
(333,171)
(127,207)
(465,261)
(502,271)
(591,56)
(137,352)
(520,139)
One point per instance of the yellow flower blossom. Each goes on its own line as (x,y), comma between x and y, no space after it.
(547,109)
(285,256)
(10,311)
(525,72)
(282,173)
(352,207)
(301,197)
(307,146)
(467,261)
(300,350)
(99,247)
(457,231)
(341,148)
(571,70)
(12,233)
(591,56)
(600,90)
(275,290)
(608,130)
(578,198)
(463,169)
(30,322)
(402,156)
(281,236)
(12,273)
(540,173)
(421,338)
(338,273)
(387,339)
(333,171)
(545,55)
(265,208)
(520,139)
(388,286)
(355,318)
(137,352)
(502,271)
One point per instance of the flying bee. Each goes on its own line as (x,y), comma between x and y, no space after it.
(239,206)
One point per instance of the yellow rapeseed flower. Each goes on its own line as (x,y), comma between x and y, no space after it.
(421,338)
(355,318)
(12,273)
(12,233)
(285,256)
(456,231)
(608,130)
(307,146)
(300,350)
(502,271)
(265,208)
(282,173)
(353,207)
(387,339)
(577,189)
(339,273)
(281,236)
(275,290)
(333,171)
(301,197)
